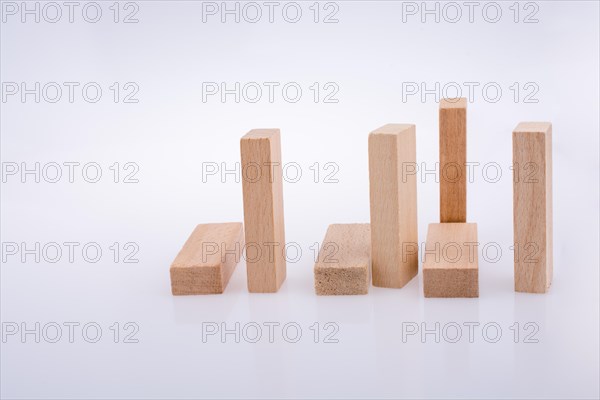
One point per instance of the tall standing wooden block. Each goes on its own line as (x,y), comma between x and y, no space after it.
(344,263)
(207,259)
(532,202)
(262,184)
(453,159)
(393,190)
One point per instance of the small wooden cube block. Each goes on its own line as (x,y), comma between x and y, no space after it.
(450,265)
(344,263)
(207,259)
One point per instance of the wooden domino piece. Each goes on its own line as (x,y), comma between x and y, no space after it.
(450,264)
(207,259)
(344,263)
(393,195)
(262,185)
(453,159)
(532,206)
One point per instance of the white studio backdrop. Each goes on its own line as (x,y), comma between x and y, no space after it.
(120,127)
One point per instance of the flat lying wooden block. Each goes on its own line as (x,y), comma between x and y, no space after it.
(344,263)
(450,265)
(453,160)
(207,259)
(262,185)
(532,201)
(393,200)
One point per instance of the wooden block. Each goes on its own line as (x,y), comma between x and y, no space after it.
(393,188)
(344,263)
(532,201)
(450,265)
(453,160)
(207,259)
(262,184)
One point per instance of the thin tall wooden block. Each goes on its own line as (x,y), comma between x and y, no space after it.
(450,261)
(262,185)
(207,259)
(344,263)
(393,188)
(453,159)
(532,196)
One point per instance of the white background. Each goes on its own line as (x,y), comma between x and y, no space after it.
(371,53)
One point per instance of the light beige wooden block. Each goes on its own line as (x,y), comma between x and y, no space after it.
(532,202)
(344,263)
(262,185)
(207,259)
(393,191)
(453,159)
(450,261)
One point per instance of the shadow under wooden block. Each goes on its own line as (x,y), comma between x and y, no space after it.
(344,263)
(207,259)
(450,265)
(532,206)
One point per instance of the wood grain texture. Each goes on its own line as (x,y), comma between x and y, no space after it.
(450,264)
(262,185)
(393,195)
(344,263)
(532,206)
(207,259)
(453,159)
